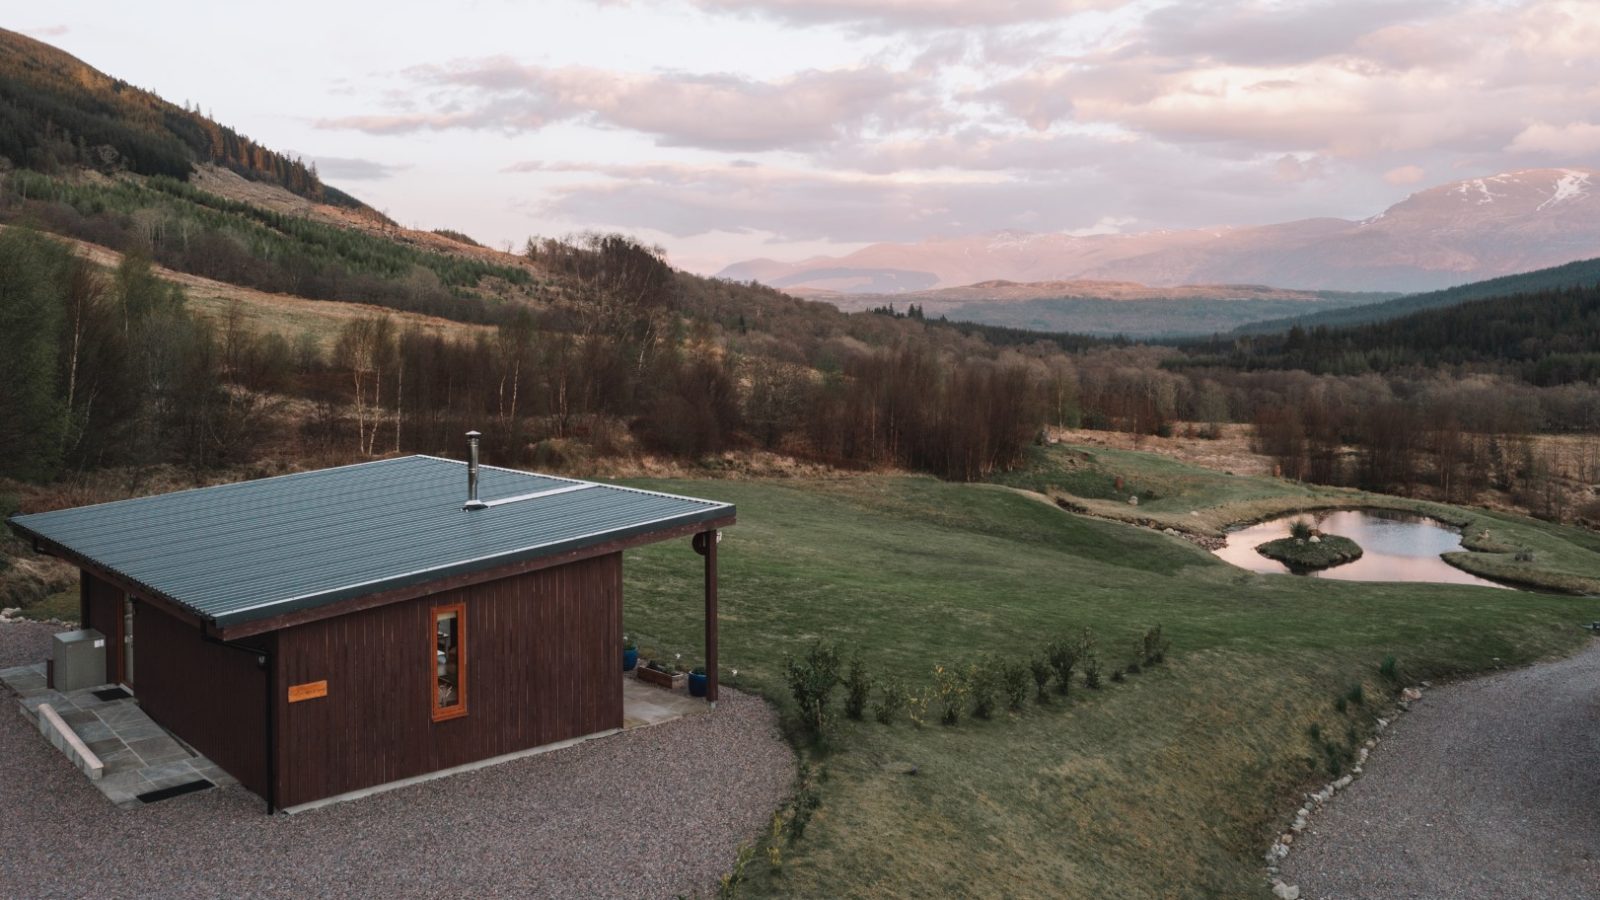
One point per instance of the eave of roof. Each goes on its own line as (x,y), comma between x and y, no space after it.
(249,551)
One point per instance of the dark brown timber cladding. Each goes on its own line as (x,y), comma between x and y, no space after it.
(105,615)
(211,695)
(543,665)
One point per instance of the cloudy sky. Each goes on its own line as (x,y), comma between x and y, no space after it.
(728,129)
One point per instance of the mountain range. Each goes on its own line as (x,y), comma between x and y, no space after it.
(1455,233)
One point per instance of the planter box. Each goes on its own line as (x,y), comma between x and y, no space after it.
(661,679)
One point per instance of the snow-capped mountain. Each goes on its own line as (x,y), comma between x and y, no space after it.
(1452,234)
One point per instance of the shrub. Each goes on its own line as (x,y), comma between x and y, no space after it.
(728,886)
(806,801)
(1014,682)
(1117,675)
(950,686)
(1154,646)
(917,706)
(1389,668)
(1063,657)
(1524,555)
(1340,704)
(891,699)
(1301,530)
(1091,672)
(1357,694)
(812,680)
(857,688)
(774,849)
(983,683)
(1040,668)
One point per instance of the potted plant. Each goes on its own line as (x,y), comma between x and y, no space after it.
(630,654)
(697,682)
(661,673)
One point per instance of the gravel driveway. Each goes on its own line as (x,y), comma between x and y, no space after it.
(1485,789)
(652,812)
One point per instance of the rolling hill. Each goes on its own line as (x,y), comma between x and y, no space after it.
(1582,273)
(1448,235)
(1545,336)
(1104,307)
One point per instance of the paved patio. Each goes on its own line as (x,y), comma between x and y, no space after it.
(139,756)
(646,704)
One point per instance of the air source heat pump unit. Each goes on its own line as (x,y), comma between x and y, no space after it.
(78,660)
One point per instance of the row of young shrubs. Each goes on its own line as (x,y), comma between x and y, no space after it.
(979,689)
(1335,753)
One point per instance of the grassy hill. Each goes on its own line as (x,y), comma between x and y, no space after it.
(1169,784)
(1583,273)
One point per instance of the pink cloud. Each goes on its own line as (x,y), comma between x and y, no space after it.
(910,14)
(716,111)
(1404,175)
(1569,141)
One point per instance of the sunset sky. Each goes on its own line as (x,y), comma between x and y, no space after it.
(725,130)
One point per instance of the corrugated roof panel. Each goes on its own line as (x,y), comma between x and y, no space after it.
(239,552)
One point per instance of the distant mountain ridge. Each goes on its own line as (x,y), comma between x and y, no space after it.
(1437,238)
(1105,307)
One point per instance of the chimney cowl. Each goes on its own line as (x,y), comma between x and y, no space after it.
(472,473)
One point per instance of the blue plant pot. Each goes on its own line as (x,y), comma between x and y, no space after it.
(697,685)
(630,658)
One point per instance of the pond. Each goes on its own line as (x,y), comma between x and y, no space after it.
(1396,547)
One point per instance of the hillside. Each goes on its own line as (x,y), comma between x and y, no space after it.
(1444,236)
(1584,273)
(1547,337)
(57,111)
(1102,307)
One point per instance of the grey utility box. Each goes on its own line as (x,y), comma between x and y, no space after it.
(78,660)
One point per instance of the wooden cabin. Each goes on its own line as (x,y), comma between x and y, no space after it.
(327,632)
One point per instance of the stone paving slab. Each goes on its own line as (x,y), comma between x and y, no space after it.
(139,755)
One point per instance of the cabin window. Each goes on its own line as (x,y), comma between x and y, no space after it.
(447,670)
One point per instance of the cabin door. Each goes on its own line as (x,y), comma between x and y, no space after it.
(127,641)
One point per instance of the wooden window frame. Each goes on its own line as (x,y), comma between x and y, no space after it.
(445,713)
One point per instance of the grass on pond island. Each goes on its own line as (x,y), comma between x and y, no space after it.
(1168,784)
(1305,553)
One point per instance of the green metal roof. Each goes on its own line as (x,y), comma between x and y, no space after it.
(240,552)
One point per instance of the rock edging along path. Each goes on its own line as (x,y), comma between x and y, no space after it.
(1489,788)
(651,812)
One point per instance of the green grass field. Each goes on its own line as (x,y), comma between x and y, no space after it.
(1168,785)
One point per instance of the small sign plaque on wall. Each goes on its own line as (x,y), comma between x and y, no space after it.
(311,690)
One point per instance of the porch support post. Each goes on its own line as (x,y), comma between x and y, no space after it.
(709,541)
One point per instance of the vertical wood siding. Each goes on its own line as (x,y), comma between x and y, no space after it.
(544,657)
(210,695)
(105,616)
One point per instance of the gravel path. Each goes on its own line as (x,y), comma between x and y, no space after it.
(652,812)
(1485,789)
